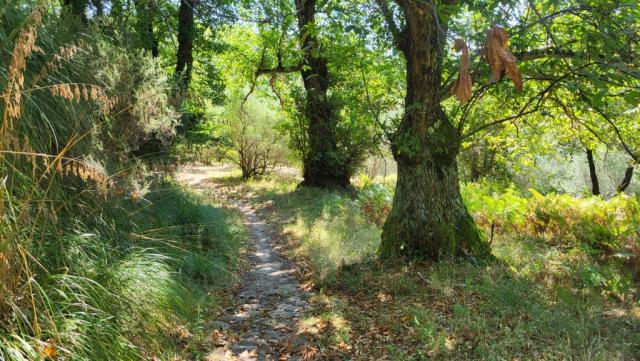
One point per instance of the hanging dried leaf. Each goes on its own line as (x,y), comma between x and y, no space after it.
(499,58)
(462,87)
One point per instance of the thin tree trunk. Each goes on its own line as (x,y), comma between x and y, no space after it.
(324,164)
(428,217)
(186,31)
(144,26)
(595,185)
(155,51)
(77,8)
(626,180)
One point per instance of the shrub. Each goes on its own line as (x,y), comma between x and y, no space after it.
(558,218)
(252,142)
(491,205)
(374,199)
(141,113)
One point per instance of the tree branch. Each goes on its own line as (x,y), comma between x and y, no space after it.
(545,53)
(523,111)
(397,34)
(279,70)
(606,117)
(570,10)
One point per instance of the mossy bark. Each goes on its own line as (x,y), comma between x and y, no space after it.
(428,218)
(324,164)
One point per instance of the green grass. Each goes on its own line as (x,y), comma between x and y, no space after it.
(99,259)
(550,295)
(126,279)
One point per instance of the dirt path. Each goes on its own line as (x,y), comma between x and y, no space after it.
(270,300)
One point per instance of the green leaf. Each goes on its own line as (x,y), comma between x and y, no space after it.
(597,98)
(632,97)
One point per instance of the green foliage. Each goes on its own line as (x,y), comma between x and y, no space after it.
(140,90)
(546,297)
(505,207)
(561,218)
(374,199)
(252,141)
(200,140)
(585,97)
(364,83)
(97,260)
(123,278)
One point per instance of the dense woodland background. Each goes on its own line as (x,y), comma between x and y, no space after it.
(456,178)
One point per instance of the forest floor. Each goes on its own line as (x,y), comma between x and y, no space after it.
(314,288)
(269,302)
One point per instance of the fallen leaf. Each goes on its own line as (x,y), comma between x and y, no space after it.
(218,338)
(309,353)
(49,349)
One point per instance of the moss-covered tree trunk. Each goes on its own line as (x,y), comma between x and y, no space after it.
(324,164)
(428,217)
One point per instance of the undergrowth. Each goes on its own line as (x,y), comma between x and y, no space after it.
(123,279)
(99,258)
(564,286)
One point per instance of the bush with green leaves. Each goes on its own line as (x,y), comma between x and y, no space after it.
(374,198)
(141,113)
(251,140)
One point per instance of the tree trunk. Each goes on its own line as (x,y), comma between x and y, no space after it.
(324,164)
(626,180)
(155,51)
(144,26)
(186,31)
(77,8)
(595,185)
(428,218)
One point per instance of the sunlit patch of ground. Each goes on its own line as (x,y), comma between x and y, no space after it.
(532,304)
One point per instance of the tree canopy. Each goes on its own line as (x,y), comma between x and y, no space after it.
(426,80)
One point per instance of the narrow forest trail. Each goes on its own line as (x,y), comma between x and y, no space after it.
(270,302)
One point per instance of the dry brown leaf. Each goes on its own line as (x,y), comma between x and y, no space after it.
(463,85)
(309,353)
(499,58)
(49,349)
